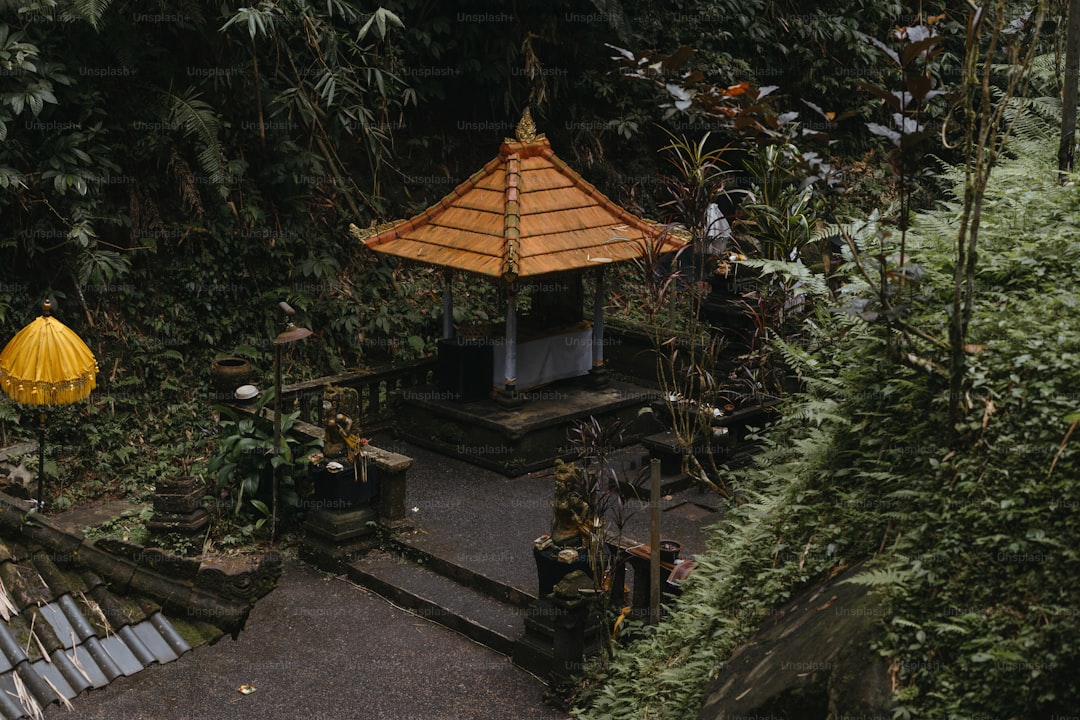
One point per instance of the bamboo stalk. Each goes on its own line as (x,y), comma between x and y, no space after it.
(654,541)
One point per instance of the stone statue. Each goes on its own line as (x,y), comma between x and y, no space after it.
(340,405)
(572,514)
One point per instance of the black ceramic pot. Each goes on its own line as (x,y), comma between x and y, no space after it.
(229,373)
(669,551)
(341,490)
(550,570)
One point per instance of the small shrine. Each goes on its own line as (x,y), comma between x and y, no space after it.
(529,221)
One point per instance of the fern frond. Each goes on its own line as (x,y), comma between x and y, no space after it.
(89,10)
(805,280)
(882,577)
(820,412)
(198,121)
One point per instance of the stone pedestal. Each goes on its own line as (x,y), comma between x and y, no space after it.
(571,622)
(393,468)
(508,398)
(339,526)
(665,447)
(333,536)
(178,507)
(560,630)
(598,377)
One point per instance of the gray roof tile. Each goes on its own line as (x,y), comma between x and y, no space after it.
(9,647)
(84,661)
(35,683)
(137,647)
(75,679)
(121,654)
(92,656)
(104,661)
(83,628)
(56,680)
(60,625)
(154,642)
(78,605)
(176,642)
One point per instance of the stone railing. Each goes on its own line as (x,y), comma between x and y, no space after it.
(379,392)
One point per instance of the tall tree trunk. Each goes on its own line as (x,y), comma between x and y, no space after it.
(1066,149)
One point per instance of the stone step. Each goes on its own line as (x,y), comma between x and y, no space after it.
(440,599)
(11,451)
(489,586)
(79,519)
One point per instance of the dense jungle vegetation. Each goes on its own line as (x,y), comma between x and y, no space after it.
(972,543)
(171,170)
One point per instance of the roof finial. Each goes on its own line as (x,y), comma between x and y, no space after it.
(526,128)
(46,308)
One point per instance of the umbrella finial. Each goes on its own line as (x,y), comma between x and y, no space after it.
(526,128)
(46,308)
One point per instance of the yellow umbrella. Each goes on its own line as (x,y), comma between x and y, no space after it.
(46,363)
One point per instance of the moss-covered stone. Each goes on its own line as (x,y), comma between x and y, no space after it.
(810,660)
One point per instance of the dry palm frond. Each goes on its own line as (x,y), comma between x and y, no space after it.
(28,701)
(74,658)
(63,699)
(98,614)
(7,608)
(34,636)
(189,189)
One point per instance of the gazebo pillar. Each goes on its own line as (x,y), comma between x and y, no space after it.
(598,373)
(448,306)
(508,395)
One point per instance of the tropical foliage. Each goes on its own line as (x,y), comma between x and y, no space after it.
(857,469)
(970,545)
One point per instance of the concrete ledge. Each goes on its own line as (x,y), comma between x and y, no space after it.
(526,439)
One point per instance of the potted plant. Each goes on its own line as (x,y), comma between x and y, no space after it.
(245,461)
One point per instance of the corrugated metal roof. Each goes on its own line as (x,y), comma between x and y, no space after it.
(525,213)
(62,637)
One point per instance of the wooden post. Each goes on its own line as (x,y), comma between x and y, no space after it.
(448,306)
(598,320)
(1066,148)
(277,442)
(41,459)
(511,341)
(654,541)
(597,373)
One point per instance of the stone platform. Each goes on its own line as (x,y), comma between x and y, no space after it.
(522,439)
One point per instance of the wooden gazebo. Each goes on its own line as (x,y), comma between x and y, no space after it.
(523,216)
